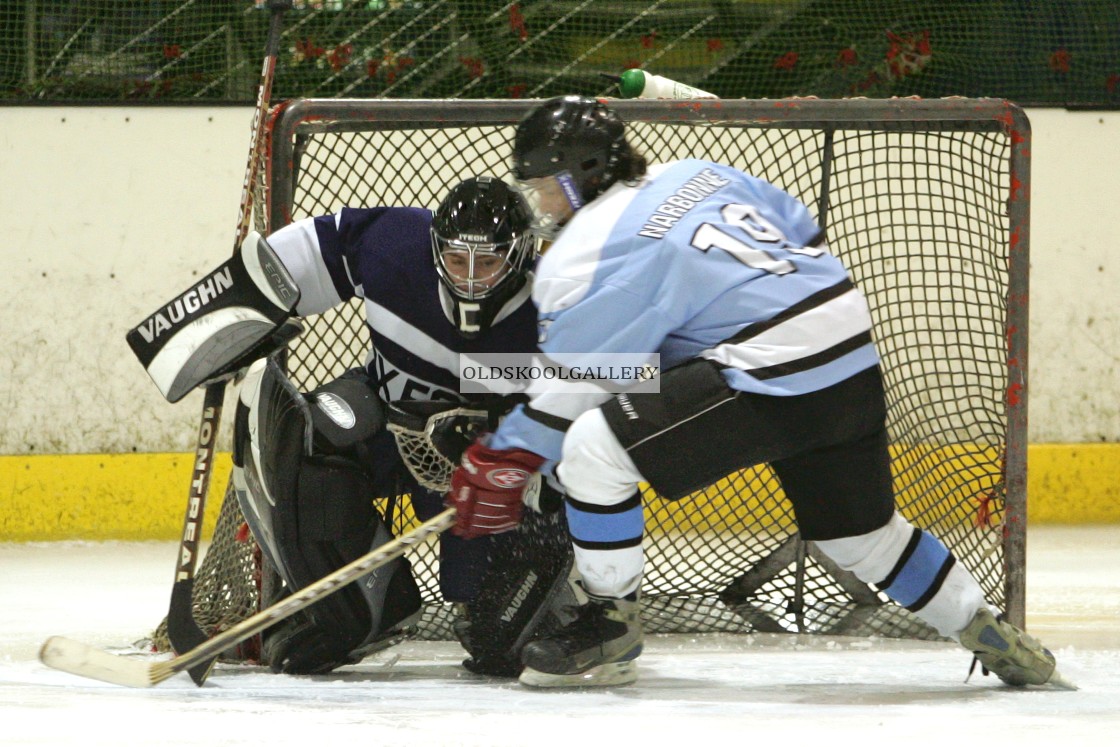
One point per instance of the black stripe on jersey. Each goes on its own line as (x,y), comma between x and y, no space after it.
(554,422)
(903,559)
(812,361)
(935,587)
(594,508)
(616,545)
(819,298)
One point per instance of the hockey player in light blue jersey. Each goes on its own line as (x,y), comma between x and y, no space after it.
(763,339)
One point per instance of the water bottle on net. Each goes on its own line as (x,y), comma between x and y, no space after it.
(635,83)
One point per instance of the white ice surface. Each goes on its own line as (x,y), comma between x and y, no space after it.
(693,691)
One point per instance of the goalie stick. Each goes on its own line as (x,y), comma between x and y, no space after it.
(183,631)
(78,658)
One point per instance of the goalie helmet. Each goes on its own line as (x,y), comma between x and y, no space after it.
(572,146)
(483,249)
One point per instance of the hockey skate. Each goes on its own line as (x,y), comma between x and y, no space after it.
(597,649)
(1009,653)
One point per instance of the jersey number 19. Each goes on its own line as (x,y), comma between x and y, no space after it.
(748,219)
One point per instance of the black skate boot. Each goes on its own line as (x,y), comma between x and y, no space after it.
(597,649)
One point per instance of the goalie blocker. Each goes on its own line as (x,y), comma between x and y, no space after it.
(238,313)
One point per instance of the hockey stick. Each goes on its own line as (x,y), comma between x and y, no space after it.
(182,629)
(71,656)
(264,95)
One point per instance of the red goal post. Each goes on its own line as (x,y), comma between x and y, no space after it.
(926,202)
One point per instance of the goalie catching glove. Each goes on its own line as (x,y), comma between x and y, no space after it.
(489,488)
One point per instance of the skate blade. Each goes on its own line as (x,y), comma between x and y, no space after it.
(1058,682)
(606,675)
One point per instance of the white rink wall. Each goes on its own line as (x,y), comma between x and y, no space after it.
(110,211)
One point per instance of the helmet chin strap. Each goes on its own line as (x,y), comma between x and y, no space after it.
(547,232)
(570,190)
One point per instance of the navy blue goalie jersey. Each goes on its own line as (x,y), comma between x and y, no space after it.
(384,257)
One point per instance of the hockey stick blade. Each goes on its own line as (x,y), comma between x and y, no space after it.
(74,657)
(78,658)
(182,629)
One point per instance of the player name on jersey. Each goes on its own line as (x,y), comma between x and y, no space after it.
(676,205)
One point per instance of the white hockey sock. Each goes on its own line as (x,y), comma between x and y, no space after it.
(913,568)
(604,507)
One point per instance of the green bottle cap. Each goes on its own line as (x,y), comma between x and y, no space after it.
(632,83)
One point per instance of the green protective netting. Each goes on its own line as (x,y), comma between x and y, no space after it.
(1061,52)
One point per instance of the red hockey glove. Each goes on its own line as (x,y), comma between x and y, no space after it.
(487,487)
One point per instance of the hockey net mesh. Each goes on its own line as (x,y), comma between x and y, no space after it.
(227,584)
(918,210)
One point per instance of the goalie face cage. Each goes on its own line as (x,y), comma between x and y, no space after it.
(926,202)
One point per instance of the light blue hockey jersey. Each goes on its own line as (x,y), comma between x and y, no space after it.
(699,260)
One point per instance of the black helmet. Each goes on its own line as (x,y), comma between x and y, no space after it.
(482,249)
(576,134)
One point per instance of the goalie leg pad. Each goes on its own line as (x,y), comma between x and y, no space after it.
(525,595)
(462,562)
(312,512)
(324,637)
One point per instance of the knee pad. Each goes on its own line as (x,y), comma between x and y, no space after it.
(308,498)
(316,641)
(594,466)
